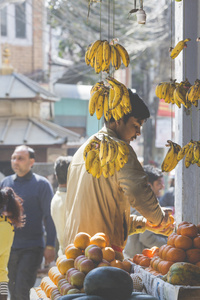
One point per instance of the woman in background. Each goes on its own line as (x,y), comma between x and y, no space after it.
(11,216)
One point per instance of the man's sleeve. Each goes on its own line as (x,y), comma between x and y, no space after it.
(133,181)
(46,197)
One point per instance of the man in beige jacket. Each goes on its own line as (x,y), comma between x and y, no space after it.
(103,205)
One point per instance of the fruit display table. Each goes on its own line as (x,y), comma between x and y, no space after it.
(156,287)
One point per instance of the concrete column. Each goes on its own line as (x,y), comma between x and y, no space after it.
(187,122)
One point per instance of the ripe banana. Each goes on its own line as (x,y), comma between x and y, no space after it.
(189,157)
(107,111)
(183,151)
(105,170)
(103,152)
(106,56)
(100,106)
(115,57)
(94,143)
(93,100)
(196,151)
(89,159)
(120,159)
(170,160)
(99,58)
(111,168)
(123,147)
(178,48)
(95,167)
(93,49)
(193,94)
(158,90)
(118,92)
(124,54)
(96,87)
(112,149)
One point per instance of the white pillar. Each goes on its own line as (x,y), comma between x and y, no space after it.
(187,126)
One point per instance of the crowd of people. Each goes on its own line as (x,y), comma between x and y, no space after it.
(122,206)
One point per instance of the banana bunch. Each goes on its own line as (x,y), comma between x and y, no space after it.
(193,94)
(105,156)
(191,151)
(179,47)
(101,53)
(170,160)
(180,94)
(99,101)
(111,101)
(119,100)
(165,90)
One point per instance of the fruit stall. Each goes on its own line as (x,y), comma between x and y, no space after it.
(90,268)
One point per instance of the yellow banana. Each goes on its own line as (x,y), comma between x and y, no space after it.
(115,57)
(95,167)
(93,49)
(107,111)
(105,170)
(176,101)
(183,151)
(171,91)
(117,165)
(111,168)
(120,159)
(103,152)
(170,161)
(193,93)
(123,147)
(119,110)
(179,47)
(96,87)
(106,56)
(99,58)
(89,159)
(112,149)
(158,90)
(86,56)
(99,172)
(180,94)
(123,53)
(189,157)
(91,145)
(99,106)
(92,62)
(115,114)
(93,100)
(196,151)
(118,92)
(165,90)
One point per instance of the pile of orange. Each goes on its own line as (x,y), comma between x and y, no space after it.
(58,282)
(182,246)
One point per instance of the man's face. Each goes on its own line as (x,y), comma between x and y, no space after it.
(157,186)
(21,162)
(129,131)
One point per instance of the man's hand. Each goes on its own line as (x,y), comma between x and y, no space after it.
(49,254)
(166,227)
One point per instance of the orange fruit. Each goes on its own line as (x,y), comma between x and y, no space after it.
(73,252)
(108,253)
(60,258)
(65,264)
(98,241)
(57,277)
(116,263)
(127,266)
(105,236)
(82,240)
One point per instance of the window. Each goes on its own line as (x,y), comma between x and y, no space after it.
(20,20)
(3,18)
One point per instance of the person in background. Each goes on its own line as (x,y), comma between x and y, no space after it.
(57,204)
(11,216)
(103,205)
(168,198)
(155,179)
(29,242)
(137,242)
